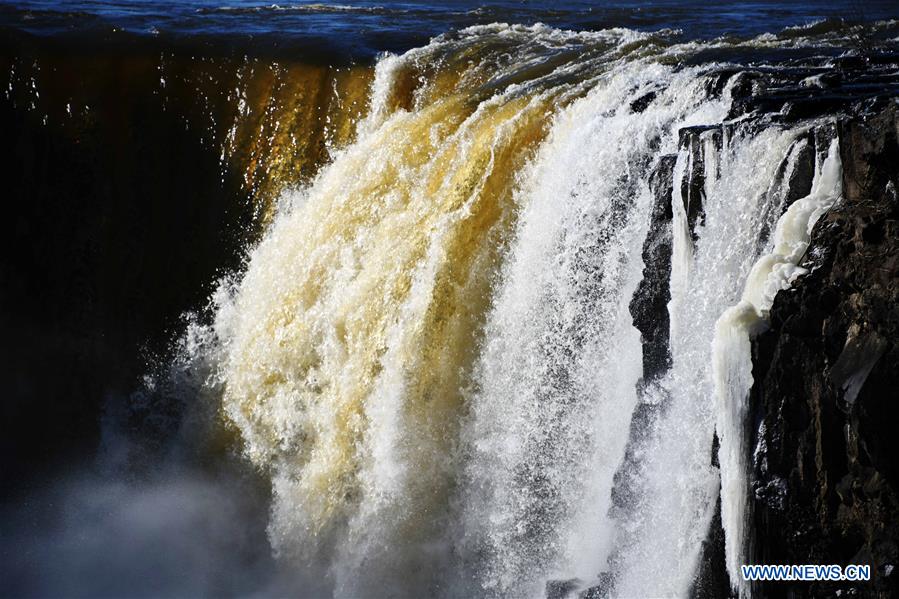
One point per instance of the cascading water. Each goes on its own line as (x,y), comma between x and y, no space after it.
(520,311)
(557,379)
(430,352)
(731,360)
(350,338)
(680,483)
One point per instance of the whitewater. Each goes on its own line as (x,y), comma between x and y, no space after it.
(431,354)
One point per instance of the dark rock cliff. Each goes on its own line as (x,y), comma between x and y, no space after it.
(827,383)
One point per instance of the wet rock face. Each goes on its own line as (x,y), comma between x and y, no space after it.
(796,92)
(825,477)
(649,304)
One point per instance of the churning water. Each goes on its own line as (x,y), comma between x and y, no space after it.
(431,356)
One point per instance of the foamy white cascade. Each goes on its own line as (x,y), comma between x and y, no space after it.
(431,352)
(661,544)
(556,381)
(731,349)
(347,345)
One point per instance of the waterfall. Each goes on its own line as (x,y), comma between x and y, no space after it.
(348,343)
(556,383)
(385,302)
(680,483)
(731,360)
(431,353)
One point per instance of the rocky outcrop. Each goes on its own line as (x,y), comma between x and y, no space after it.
(649,304)
(826,378)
